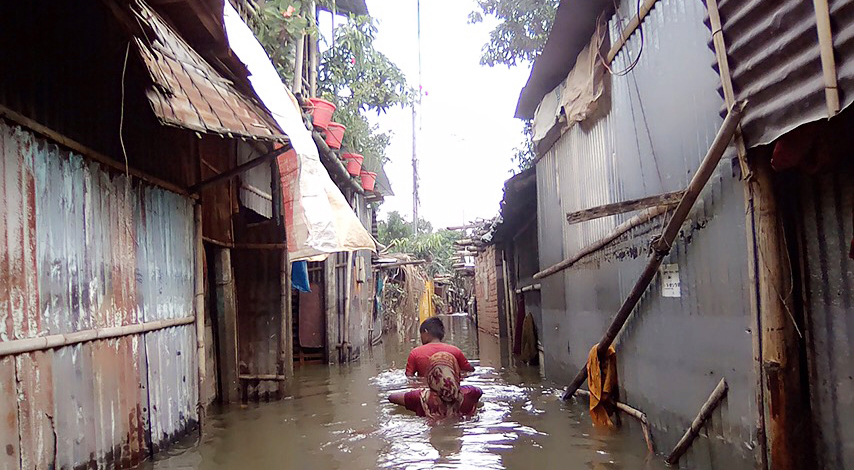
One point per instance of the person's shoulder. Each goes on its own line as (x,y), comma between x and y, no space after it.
(452,349)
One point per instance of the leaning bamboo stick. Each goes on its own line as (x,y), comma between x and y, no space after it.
(828,64)
(634,413)
(705,412)
(662,244)
(41,343)
(630,28)
(637,220)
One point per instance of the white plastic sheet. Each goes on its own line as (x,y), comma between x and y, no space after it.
(318,219)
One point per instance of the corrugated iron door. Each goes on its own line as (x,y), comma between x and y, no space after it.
(826,216)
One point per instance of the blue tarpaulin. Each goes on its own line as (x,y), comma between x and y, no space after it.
(299,276)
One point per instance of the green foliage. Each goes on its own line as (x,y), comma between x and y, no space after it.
(396,227)
(522,30)
(279,26)
(360,79)
(525,155)
(435,247)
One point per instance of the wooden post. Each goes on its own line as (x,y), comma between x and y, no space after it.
(286,353)
(784,396)
(199,307)
(661,246)
(348,283)
(705,412)
(227,326)
(330,302)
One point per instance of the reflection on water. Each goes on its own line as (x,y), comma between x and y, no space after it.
(339,418)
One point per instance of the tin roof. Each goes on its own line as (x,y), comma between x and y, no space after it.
(574,24)
(188,92)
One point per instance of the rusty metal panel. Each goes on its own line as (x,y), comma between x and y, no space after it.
(775,62)
(188,92)
(85,249)
(311,315)
(255,184)
(826,214)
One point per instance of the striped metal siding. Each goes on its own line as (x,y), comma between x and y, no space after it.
(826,213)
(550,228)
(82,249)
(775,62)
(650,139)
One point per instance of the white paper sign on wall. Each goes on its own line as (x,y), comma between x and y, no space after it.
(670,286)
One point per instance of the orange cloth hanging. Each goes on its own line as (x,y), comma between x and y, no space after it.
(603,389)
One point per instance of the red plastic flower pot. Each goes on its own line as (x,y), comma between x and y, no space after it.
(354,163)
(369,179)
(334,135)
(321,112)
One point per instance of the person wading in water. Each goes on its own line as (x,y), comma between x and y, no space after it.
(432,332)
(444,397)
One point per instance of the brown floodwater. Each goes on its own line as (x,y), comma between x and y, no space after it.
(339,417)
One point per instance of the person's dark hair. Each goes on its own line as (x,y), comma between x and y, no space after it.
(434,327)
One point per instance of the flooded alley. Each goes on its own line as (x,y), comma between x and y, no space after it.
(339,418)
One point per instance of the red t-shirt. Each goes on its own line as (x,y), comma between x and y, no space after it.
(419,359)
(471,394)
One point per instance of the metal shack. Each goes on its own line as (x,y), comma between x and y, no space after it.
(757,287)
(142,239)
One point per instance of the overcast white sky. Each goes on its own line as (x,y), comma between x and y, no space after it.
(468,132)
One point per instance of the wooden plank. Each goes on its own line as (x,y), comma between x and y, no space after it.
(227,322)
(666,199)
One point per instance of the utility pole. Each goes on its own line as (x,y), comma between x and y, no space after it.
(416,102)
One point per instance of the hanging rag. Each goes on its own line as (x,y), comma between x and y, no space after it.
(530,353)
(299,276)
(602,380)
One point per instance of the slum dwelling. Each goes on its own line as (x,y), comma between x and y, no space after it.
(694,211)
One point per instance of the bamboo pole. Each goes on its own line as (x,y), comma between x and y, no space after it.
(630,28)
(286,354)
(296,86)
(199,306)
(637,220)
(348,281)
(41,343)
(634,413)
(705,412)
(828,64)
(750,228)
(661,246)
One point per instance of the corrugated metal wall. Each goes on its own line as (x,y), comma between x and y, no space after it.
(826,215)
(649,139)
(486,291)
(775,62)
(83,249)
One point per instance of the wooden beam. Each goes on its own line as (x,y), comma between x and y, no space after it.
(199,308)
(662,244)
(225,176)
(828,64)
(711,403)
(226,310)
(635,221)
(666,200)
(85,151)
(633,25)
